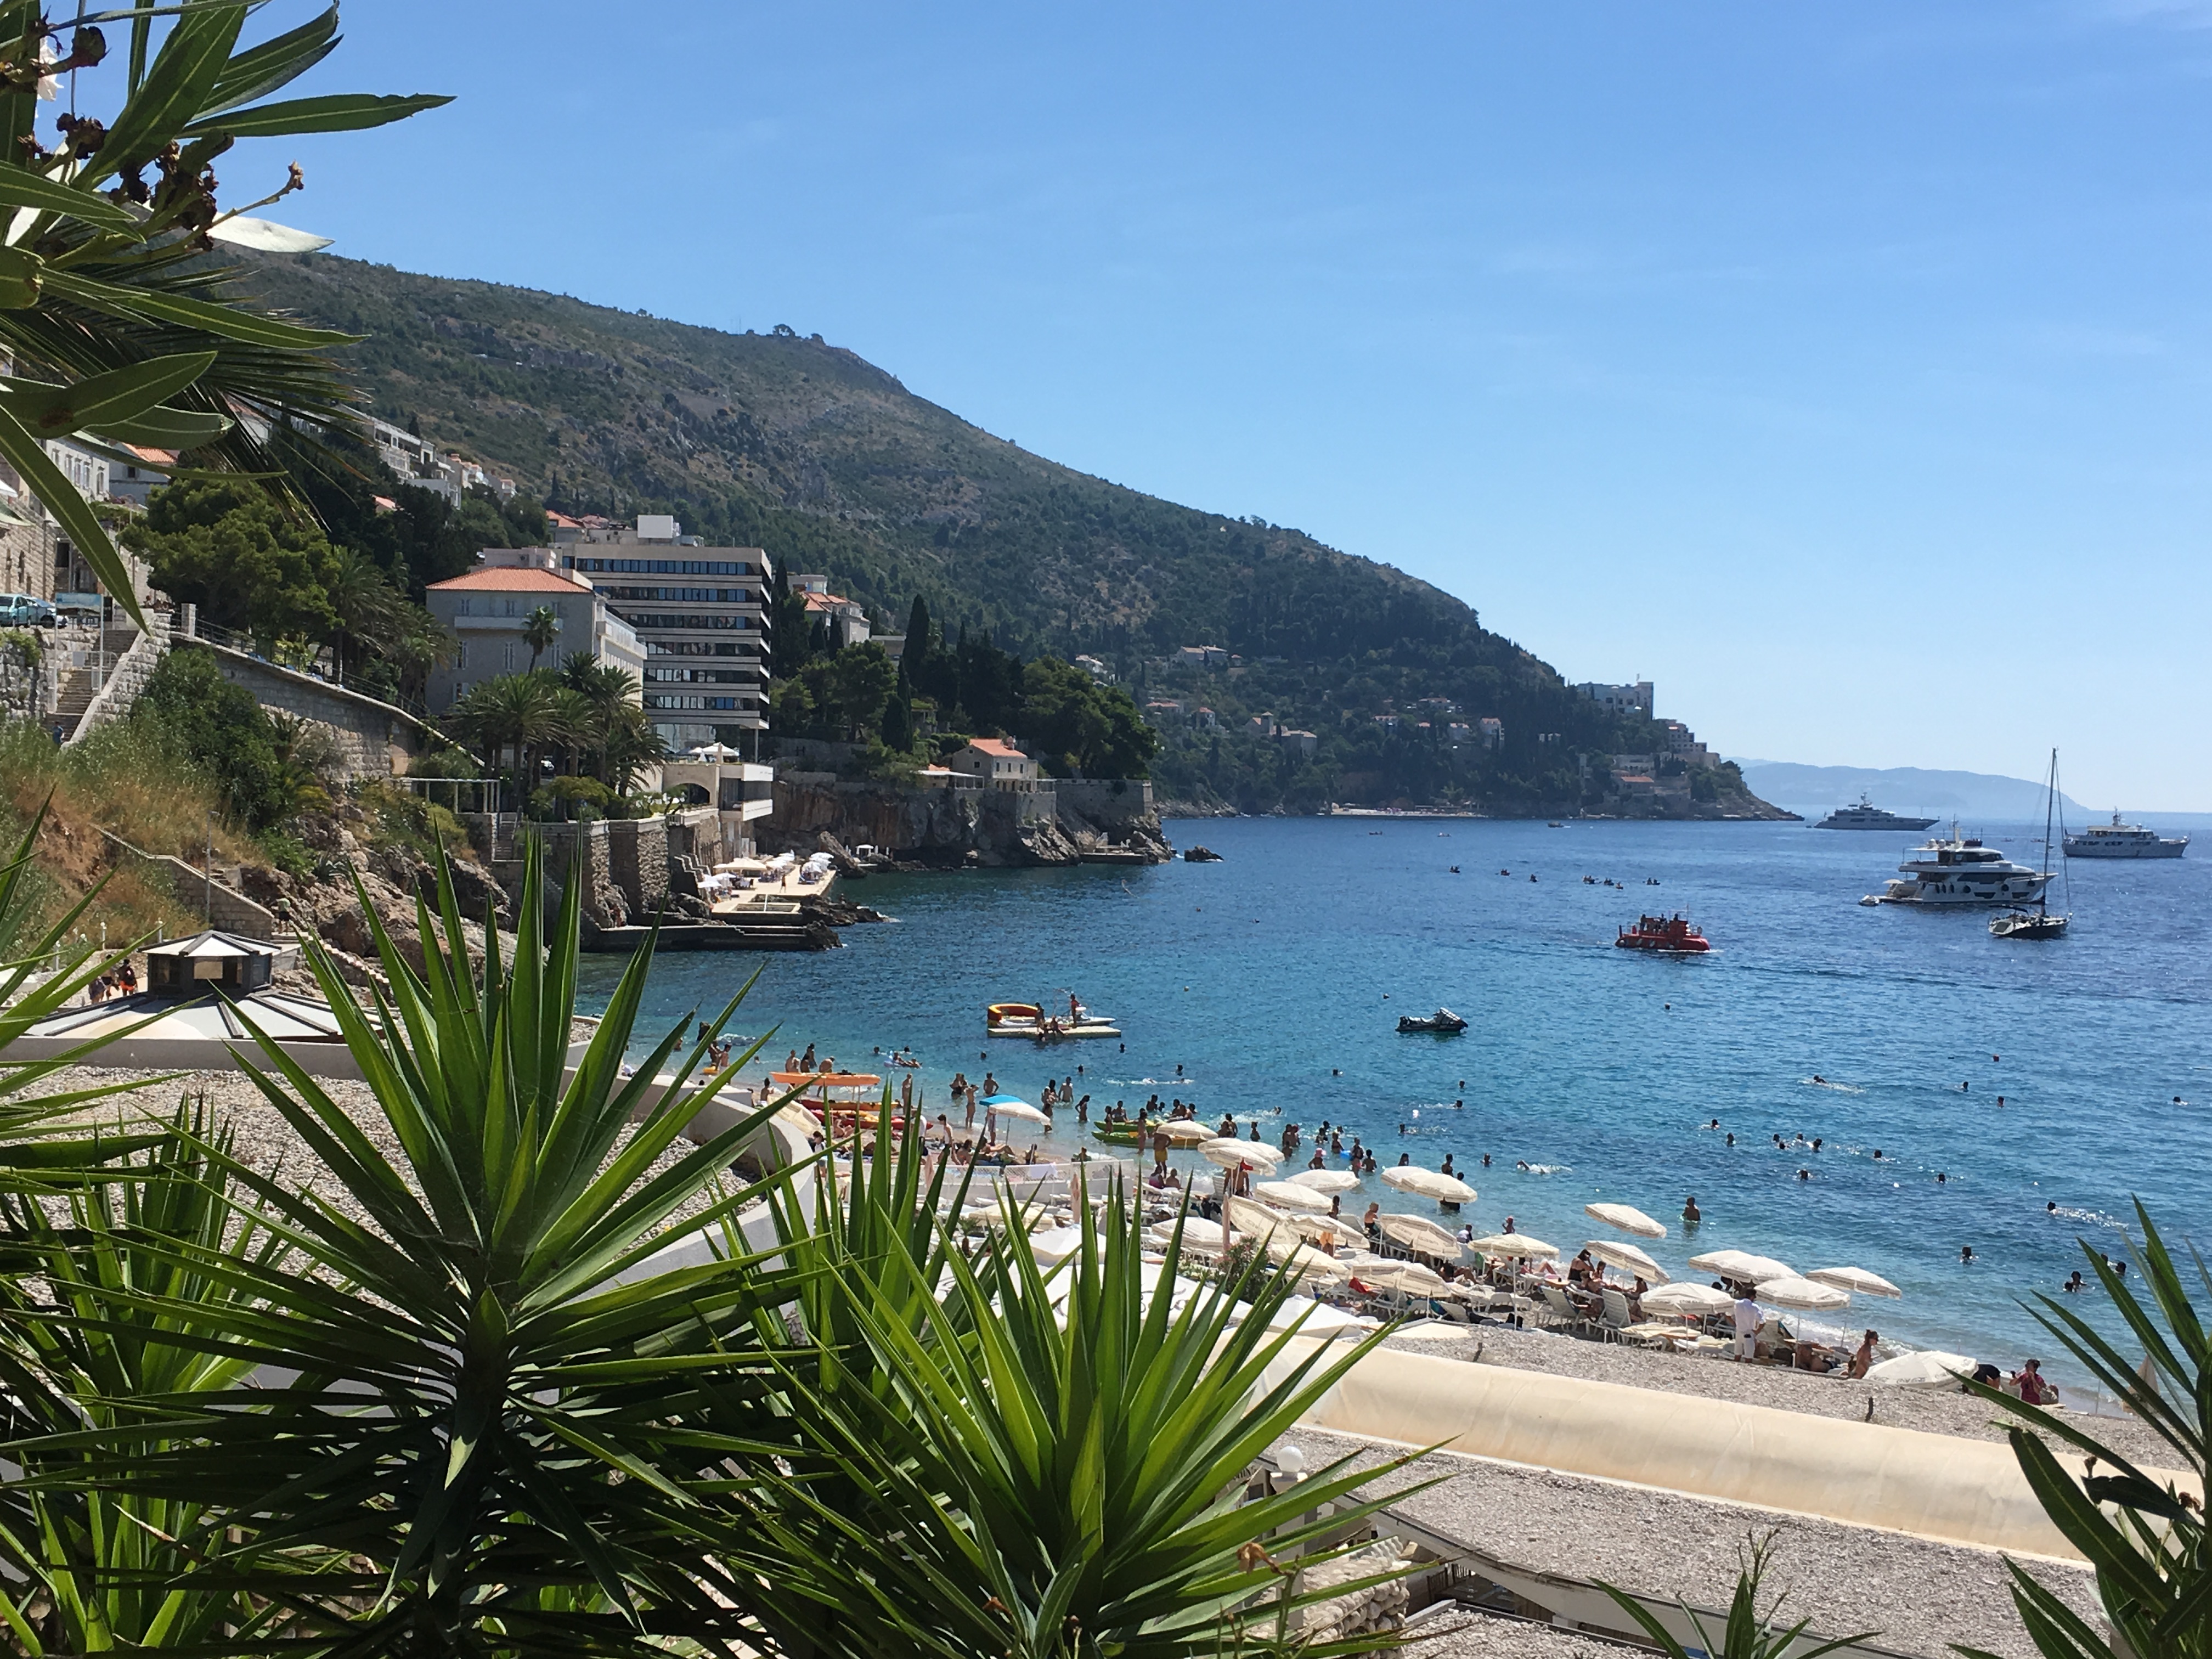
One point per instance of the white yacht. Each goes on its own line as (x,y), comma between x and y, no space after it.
(1962,872)
(1866,816)
(2123,840)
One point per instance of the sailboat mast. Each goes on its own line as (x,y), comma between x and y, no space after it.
(2049,801)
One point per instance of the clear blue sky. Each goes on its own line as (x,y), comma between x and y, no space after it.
(1845,370)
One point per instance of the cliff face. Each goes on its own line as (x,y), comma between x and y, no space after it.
(1072,821)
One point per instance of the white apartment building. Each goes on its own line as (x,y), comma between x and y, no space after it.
(700,614)
(1636,698)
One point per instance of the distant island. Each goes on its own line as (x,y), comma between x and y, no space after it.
(1282,675)
(1989,797)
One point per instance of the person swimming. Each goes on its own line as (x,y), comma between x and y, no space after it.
(1966,1253)
(1521,1164)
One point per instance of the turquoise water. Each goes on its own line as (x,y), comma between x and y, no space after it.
(1274,981)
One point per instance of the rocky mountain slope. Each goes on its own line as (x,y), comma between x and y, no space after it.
(789,443)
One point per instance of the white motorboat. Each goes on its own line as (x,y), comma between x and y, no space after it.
(1961,870)
(1866,816)
(2117,840)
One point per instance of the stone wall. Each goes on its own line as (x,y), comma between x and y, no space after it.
(637,862)
(374,738)
(221,905)
(945,825)
(27,675)
(1109,803)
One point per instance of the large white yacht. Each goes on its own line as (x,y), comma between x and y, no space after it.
(1866,816)
(1961,870)
(2123,840)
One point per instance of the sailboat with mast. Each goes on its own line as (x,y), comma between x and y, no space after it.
(2039,923)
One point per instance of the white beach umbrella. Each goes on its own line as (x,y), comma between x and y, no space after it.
(1691,1301)
(1007,1106)
(1857,1280)
(1198,1233)
(1629,1257)
(1326,1180)
(1507,1247)
(1742,1266)
(1185,1132)
(1419,1233)
(1627,1218)
(1408,1276)
(1229,1152)
(1289,1195)
(1310,1265)
(1429,1183)
(1319,1229)
(1255,1220)
(1055,1245)
(1791,1291)
(1928,1369)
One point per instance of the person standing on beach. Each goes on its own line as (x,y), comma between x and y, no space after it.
(1747,1323)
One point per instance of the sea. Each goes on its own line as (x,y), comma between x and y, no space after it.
(1959,1085)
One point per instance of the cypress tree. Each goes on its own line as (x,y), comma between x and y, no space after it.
(898,713)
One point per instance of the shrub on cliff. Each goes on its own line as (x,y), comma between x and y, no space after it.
(189,710)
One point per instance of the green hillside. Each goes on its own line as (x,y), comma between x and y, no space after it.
(788,442)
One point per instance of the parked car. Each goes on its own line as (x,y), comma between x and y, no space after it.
(23,611)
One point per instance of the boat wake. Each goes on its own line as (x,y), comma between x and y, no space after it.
(1546,1168)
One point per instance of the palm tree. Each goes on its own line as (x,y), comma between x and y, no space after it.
(541,630)
(371,612)
(120,332)
(508,714)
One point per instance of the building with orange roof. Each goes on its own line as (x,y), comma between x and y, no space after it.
(489,608)
(996,763)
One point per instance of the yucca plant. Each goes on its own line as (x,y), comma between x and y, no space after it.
(477,1396)
(120,329)
(36,1130)
(82,1343)
(1749,1632)
(2143,1534)
(1013,1461)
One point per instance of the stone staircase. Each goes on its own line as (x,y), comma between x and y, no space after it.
(91,696)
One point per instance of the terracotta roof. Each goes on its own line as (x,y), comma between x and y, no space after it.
(562,520)
(513,579)
(826,601)
(998,750)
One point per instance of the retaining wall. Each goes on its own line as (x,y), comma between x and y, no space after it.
(374,738)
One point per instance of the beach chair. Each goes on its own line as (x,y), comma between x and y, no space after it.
(1615,1318)
(1565,1314)
(1457,1312)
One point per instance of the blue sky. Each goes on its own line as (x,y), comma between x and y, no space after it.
(1845,371)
